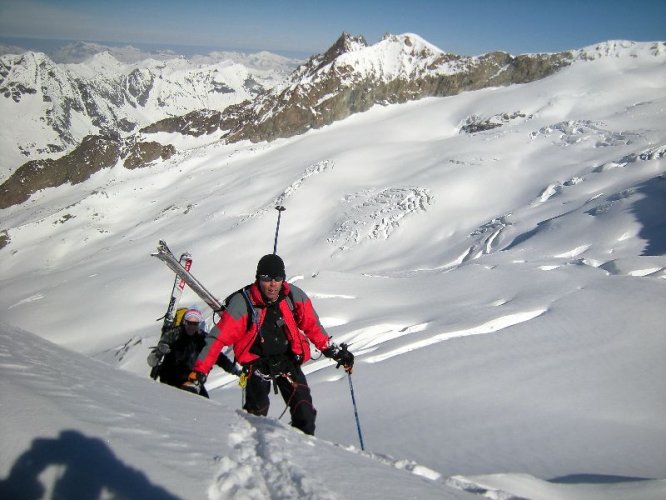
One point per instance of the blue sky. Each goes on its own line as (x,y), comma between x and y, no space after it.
(467,27)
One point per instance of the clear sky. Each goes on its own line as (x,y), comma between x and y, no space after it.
(467,27)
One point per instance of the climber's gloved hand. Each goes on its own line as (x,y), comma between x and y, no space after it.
(163,347)
(157,353)
(341,355)
(194,382)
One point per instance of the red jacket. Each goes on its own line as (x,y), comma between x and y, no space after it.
(301,325)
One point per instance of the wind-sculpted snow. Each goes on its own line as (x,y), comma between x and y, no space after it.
(314,169)
(653,153)
(576,131)
(491,326)
(487,238)
(477,123)
(555,189)
(587,486)
(377,214)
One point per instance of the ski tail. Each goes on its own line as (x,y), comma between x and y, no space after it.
(177,291)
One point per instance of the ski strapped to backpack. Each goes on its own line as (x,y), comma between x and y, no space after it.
(170,316)
(165,255)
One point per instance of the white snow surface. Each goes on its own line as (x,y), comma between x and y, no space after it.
(503,293)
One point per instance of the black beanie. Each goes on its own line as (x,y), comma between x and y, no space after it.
(271,265)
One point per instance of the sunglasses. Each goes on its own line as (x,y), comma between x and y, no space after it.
(192,323)
(265,278)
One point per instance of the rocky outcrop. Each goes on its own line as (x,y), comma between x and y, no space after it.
(94,154)
(4,239)
(144,153)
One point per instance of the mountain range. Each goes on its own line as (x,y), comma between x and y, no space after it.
(53,107)
(79,118)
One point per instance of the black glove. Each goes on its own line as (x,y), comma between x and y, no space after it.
(194,382)
(341,355)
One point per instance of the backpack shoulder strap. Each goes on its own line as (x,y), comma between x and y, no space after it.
(251,311)
(252,314)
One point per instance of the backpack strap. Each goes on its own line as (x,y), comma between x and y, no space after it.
(290,301)
(252,314)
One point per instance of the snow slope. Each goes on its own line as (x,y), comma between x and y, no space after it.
(503,292)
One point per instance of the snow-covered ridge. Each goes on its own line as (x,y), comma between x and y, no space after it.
(396,56)
(621,48)
(59,104)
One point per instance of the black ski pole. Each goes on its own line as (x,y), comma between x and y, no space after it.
(280,209)
(358,424)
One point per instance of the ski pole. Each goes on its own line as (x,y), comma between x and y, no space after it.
(358,423)
(280,209)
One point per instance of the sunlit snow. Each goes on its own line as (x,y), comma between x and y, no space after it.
(503,292)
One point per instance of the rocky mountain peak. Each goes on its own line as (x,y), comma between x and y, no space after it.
(351,77)
(346,43)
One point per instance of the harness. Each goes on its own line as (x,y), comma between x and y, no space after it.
(275,365)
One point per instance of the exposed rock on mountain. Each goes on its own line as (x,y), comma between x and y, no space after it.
(475,123)
(141,154)
(59,104)
(94,154)
(4,238)
(351,77)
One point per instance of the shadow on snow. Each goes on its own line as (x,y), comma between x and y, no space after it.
(89,469)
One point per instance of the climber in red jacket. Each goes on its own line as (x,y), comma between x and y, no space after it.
(270,325)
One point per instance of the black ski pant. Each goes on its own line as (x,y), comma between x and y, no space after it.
(294,390)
